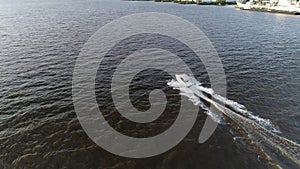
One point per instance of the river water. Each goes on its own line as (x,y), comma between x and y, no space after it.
(39,44)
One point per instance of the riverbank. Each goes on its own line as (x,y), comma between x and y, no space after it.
(217,2)
(267,8)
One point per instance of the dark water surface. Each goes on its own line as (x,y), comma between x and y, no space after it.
(39,44)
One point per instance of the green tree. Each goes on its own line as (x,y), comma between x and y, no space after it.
(221,2)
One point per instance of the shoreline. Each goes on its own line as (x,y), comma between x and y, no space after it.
(217,2)
(267,8)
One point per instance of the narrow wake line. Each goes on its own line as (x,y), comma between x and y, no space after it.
(256,127)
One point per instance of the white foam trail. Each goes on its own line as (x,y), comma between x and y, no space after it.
(194,90)
(257,128)
(188,91)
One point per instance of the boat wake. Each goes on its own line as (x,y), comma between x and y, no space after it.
(257,128)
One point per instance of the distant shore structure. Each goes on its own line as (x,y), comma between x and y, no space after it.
(201,2)
(275,6)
